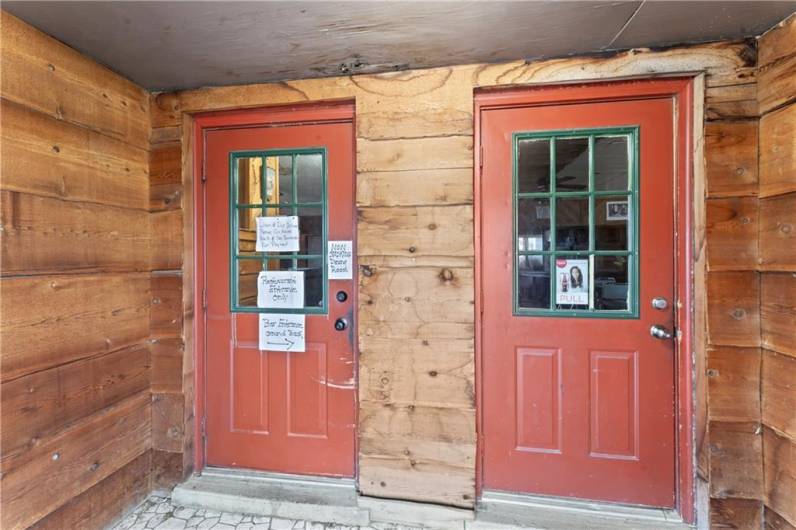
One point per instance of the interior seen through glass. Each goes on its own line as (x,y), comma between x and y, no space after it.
(578,191)
(272,180)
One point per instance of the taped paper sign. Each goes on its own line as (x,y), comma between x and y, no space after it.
(340,260)
(572,282)
(278,234)
(282,332)
(280,289)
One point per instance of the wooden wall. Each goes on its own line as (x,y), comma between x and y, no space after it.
(414,198)
(74,292)
(777,265)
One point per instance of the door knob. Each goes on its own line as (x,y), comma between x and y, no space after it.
(659,332)
(340,324)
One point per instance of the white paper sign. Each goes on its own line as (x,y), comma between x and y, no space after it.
(282,332)
(340,260)
(572,282)
(277,234)
(280,289)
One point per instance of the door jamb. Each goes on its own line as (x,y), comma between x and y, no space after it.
(321,112)
(681,90)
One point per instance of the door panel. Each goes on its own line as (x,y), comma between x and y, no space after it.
(289,412)
(578,398)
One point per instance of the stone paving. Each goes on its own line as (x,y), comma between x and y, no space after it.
(157,512)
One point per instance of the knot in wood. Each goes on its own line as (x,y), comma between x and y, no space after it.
(446,275)
(740,171)
(738,313)
(785,228)
(433,373)
(367,271)
(412,250)
(432,226)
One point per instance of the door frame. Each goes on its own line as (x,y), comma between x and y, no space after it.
(681,90)
(321,112)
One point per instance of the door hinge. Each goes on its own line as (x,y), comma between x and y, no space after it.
(204,298)
(481,156)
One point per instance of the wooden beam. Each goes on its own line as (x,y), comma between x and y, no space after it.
(736,463)
(734,308)
(734,384)
(778,152)
(778,312)
(736,514)
(778,233)
(732,234)
(731,158)
(425,187)
(779,393)
(64,466)
(114,314)
(780,472)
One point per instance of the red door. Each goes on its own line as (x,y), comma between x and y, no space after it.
(577,212)
(279,411)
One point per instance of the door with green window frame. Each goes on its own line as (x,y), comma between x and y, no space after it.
(576,271)
(279,327)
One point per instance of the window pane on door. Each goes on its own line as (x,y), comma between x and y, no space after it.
(572,164)
(572,223)
(611,163)
(533,224)
(533,166)
(533,281)
(611,283)
(611,216)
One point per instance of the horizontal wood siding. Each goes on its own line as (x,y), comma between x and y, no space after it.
(777,259)
(74,196)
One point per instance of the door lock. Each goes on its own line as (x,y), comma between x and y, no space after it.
(341,296)
(340,324)
(660,303)
(659,332)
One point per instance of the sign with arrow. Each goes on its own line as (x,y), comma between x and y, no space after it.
(282,332)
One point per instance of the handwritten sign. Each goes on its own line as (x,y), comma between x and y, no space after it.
(277,234)
(282,332)
(280,289)
(340,260)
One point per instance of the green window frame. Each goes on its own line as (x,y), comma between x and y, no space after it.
(632,193)
(235,206)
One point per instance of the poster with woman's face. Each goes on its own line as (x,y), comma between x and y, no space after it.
(572,282)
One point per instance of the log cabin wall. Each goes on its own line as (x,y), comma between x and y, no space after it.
(777,265)
(415,228)
(75,286)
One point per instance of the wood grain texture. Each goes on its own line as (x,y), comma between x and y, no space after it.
(736,514)
(736,463)
(167,240)
(168,412)
(166,315)
(44,235)
(731,102)
(74,460)
(427,372)
(779,393)
(165,176)
(734,308)
(115,314)
(167,355)
(734,384)
(428,187)
(780,472)
(774,521)
(778,233)
(778,42)
(167,469)
(776,84)
(778,152)
(103,503)
(42,155)
(731,226)
(445,152)
(731,158)
(422,294)
(39,405)
(45,75)
(778,312)
(415,231)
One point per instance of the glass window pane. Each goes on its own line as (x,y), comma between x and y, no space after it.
(533,166)
(310,231)
(572,164)
(611,222)
(572,282)
(309,172)
(313,281)
(611,283)
(611,163)
(533,282)
(572,223)
(250,174)
(280,181)
(533,224)
(247,271)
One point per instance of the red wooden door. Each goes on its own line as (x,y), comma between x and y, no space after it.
(578,397)
(279,411)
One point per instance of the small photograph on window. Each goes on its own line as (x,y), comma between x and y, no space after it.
(572,282)
(616,211)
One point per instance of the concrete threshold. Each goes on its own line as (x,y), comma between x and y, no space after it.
(333,500)
(553,513)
